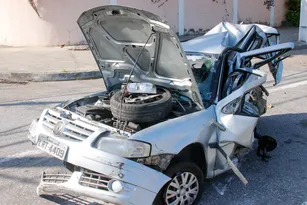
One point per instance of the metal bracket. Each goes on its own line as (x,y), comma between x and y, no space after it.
(230,163)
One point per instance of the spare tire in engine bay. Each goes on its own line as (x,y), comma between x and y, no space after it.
(141,108)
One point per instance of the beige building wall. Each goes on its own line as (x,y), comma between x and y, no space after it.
(255,11)
(168,11)
(205,14)
(280,11)
(21,26)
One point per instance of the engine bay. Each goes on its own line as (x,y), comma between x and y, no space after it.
(136,111)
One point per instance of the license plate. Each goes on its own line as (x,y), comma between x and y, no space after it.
(52,146)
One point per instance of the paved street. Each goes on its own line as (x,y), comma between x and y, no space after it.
(283,180)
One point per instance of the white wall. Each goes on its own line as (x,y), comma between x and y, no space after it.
(303,22)
(20,25)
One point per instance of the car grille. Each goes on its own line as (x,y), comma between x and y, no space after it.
(94,180)
(55,178)
(77,130)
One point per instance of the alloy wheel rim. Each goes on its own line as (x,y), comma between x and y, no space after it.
(182,190)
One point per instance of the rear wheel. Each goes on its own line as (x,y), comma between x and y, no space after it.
(185,187)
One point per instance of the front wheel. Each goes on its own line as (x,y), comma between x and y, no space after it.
(185,187)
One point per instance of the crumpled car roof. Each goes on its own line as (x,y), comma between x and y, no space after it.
(221,36)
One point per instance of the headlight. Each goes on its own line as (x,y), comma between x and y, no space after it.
(232,107)
(124,148)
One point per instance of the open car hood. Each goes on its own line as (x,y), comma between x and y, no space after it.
(116,36)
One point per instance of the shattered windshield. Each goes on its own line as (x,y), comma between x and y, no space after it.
(204,70)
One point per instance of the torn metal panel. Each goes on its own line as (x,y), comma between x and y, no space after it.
(222,36)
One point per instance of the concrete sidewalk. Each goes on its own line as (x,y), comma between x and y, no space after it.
(291,35)
(46,64)
(55,63)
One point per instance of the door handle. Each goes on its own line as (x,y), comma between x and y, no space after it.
(218,125)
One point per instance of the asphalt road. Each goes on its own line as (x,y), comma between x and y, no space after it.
(282,180)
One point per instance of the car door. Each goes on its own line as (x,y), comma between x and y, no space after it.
(236,115)
(232,115)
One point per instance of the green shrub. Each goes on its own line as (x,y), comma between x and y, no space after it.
(293,13)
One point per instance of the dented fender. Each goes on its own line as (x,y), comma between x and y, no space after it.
(174,135)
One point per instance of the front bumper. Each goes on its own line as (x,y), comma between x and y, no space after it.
(141,183)
(72,184)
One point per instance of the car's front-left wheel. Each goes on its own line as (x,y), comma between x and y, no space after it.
(185,187)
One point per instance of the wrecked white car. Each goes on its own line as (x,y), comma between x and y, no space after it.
(170,118)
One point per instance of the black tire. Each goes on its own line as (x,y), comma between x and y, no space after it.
(141,113)
(176,170)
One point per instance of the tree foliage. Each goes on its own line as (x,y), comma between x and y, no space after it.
(293,13)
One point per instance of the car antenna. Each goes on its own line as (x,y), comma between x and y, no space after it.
(131,72)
